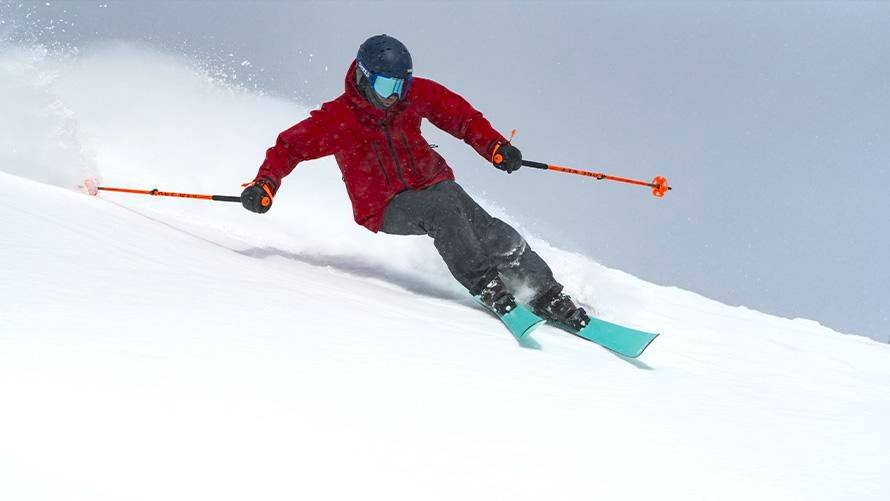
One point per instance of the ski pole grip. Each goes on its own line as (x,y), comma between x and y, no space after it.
(226,198)
(535,165)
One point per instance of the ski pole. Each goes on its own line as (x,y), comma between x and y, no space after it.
(659,184)
(94,189)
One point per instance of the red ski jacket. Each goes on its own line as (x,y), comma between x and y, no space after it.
(380,153)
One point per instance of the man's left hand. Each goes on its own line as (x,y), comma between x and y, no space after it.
(510,158)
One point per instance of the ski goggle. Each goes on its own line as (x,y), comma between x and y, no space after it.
(387,86)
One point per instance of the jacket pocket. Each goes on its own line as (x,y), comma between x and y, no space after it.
(380,162)
(411,162)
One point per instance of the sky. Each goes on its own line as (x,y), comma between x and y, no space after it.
(769,119)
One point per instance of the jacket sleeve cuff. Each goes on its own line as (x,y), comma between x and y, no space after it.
(274,184)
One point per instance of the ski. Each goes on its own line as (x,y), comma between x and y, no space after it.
(622,340)
(520,321)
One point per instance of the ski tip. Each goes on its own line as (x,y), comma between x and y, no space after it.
(623,341)
(642,348)
(529,329)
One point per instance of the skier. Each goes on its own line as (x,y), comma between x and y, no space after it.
(399,185)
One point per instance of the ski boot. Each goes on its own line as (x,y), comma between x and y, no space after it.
(558,307)
(496,296)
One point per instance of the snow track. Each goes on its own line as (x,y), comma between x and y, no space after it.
(174,349)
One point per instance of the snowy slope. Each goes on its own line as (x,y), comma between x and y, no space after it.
(174,349)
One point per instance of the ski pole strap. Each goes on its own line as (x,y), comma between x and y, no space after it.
(157,193)
(497,158)
(659,184)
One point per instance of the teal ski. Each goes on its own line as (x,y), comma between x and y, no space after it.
(622,340)
(520,321)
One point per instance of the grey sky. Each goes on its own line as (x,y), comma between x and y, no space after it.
(770,119)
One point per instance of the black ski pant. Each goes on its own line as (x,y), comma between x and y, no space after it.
(475,246)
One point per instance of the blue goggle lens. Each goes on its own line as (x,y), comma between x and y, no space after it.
(387,86)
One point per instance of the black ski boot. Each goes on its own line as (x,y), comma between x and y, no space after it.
(558,307)
(497,297)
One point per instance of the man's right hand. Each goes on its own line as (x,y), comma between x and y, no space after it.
(257,197)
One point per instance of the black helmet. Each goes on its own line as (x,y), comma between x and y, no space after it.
(384,55)
(383,69)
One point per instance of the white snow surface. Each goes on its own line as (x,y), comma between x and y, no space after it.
(168,349)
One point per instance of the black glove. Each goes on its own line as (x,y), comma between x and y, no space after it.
(507,158)
(257,197)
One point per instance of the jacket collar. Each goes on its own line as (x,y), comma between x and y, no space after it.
(362,108)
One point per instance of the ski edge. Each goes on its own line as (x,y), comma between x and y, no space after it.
(520,322)
(635,354)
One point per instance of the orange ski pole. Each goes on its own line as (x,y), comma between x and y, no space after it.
(94,189)
(659,185)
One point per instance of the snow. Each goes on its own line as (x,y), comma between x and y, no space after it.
(173,349)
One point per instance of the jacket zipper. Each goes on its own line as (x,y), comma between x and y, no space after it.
(410,155)
(380,162)
(392,151)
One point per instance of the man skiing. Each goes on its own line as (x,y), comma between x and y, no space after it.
(399,185)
